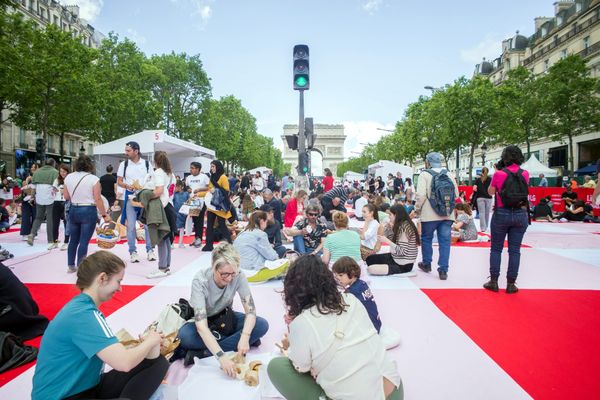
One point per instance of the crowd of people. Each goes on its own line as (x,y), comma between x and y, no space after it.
(335,343)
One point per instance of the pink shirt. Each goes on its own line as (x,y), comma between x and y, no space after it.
(500,176)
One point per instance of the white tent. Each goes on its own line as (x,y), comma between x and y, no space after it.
(180,152)
(264,171)
(351,176)
(535,167)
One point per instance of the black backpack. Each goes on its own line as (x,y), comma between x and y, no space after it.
(514,192)
(13,352)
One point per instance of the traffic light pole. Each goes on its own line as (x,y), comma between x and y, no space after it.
(302,181)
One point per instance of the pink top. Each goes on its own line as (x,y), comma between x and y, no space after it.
(500,176)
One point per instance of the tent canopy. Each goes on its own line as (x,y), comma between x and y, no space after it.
(180,152)
(535,167)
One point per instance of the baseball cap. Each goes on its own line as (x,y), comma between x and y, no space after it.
(133,145)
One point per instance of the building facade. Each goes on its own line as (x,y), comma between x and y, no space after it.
(574,29)
(329,143)
(17,145)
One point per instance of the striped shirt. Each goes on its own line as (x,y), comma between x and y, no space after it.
(405,251)
(340,192)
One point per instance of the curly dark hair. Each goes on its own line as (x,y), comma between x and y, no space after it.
(512,155)
(84,164)
(308,283)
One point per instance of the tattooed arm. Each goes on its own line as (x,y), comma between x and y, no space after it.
(249,322)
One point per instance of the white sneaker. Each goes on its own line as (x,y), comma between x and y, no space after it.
(71,269)
(64,246)
(407,274)
(24,238)
(151,256)
(181,246)
(52,246)
(159,274)
(134,257)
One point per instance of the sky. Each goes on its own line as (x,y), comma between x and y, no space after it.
(369,59)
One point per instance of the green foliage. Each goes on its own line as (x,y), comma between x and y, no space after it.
(570,102)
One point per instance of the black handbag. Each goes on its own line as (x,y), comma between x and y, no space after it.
(223,323)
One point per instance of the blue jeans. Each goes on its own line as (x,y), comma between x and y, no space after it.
(82,222)
(191,340)
(443,229)
(131,216)
(301,248)
(514,223)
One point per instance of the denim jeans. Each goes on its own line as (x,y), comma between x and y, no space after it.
(301,248)
(131,216)
(512,223)
(82,222)
(443,229)
(191,340)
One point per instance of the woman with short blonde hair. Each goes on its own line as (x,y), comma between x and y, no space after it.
(217,328)
(342,242)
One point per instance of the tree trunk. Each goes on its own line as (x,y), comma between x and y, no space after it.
(571,159)
(471,157)
(62,147)
(528,141)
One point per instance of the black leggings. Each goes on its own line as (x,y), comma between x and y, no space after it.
(386,258)
(199,223)
(58,213)
(138,384)
(210,235)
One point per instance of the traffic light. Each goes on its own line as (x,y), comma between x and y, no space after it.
(301,77)
(292,141)
(303,163)
(309,133)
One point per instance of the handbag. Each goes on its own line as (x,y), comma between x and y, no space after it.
(223,323)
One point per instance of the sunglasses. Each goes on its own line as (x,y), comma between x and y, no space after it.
(313,215)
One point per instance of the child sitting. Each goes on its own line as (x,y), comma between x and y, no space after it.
(347,273)
(464,222)
(4,217)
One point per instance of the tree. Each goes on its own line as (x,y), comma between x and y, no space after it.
(570,101)
(182,87)
(520,98)
(123,79)
(473,114)
(55,92)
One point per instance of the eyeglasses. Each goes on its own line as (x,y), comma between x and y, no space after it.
(224,275)
(313,214)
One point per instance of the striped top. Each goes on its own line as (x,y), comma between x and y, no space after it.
(405,251)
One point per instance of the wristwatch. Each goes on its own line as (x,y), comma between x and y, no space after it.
(219,354)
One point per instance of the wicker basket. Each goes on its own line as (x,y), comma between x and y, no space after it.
(194,212)
(107,243)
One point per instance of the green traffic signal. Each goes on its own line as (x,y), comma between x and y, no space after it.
(301,81)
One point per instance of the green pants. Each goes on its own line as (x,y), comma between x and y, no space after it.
(296,386)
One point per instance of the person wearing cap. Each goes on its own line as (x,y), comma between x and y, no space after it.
(133,169)
(432,222)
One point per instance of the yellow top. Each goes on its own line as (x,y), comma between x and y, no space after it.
(224,183)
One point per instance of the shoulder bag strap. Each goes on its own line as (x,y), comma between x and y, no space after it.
(76,186)
(338,337)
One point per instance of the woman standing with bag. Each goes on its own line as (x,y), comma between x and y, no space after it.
(484,199)
(78,341)
(218,182)
(82,189)
(163,179)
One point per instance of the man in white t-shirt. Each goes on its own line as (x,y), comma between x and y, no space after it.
(133,169)
(197,184)
(358,206)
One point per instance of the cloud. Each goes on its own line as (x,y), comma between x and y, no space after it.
(360,133)
(135,36)
(88,9)
(371,6)
(490,48)
(205,12)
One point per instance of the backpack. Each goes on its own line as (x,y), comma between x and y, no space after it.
(514,192)
(443,193)
(127,163)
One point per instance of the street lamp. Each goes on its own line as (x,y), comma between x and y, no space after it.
(385,130)
(483,150)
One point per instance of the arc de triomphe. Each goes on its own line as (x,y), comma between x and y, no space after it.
(330,142)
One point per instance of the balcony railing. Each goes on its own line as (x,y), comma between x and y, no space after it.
(24,145)
(593,49)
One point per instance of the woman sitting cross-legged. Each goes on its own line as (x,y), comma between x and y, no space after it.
(253,243)
(370,230)
(464,224)
(213,290)
(342,242)
(400,233)
(334,350)
(78,342)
